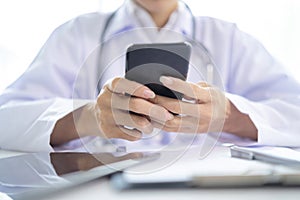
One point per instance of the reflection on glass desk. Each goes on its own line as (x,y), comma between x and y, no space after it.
(31,175)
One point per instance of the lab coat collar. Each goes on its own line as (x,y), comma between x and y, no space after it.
(128,18)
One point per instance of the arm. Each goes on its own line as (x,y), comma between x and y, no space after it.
(264,90)
(108,116)
(31,106)
(255,83)
(210,111)
(239,123)
(263,101)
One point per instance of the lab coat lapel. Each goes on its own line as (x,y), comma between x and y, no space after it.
(130,17)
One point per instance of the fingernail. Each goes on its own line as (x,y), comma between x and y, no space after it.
(165,80)
(169,116)
(149,94)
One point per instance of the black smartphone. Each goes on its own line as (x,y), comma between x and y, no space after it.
(146,63)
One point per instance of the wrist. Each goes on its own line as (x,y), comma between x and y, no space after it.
(85,120)
(239,123)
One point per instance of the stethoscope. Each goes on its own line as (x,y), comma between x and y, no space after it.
(210,65)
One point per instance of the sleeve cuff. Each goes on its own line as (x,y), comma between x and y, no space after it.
(272,126)
(57,110)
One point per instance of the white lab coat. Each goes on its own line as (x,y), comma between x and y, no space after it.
(56,83)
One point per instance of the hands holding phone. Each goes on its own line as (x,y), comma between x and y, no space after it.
(154,94)
(151,95)
(208,110)
(123,103)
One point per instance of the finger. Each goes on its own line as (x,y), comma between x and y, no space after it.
(203,84)
(175,129)
(104,98)
(122,133)
(197,127)
(141,106)
(187,98)
(190,90)
(124,118)
(179,107)
(125,86)
(180,121)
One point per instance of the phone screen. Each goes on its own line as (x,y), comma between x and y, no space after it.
(146,63)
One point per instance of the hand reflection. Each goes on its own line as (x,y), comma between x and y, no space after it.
(67,162)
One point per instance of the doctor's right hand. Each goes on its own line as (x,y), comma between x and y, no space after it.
(123,110)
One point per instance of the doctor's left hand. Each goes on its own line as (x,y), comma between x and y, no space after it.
(206,110)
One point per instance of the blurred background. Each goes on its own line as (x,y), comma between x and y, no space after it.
(26,25)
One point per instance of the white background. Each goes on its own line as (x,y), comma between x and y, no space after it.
(26,24)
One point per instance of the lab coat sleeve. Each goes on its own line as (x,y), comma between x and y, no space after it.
(30,107)
(259,86)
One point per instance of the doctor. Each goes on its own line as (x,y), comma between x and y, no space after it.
(261,100)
